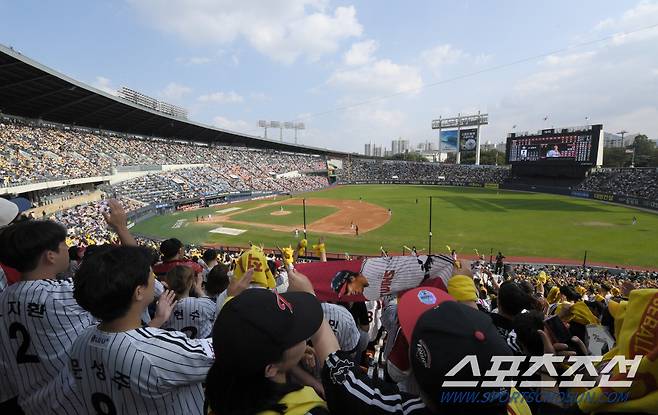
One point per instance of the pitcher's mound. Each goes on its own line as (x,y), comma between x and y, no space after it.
(281,213)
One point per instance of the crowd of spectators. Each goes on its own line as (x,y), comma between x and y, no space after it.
(370,170)
(199,182)
(638,182)
(31,153)
(165,329)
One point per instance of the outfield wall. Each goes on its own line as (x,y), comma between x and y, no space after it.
(565,191)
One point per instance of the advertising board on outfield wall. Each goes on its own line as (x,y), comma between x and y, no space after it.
(625,200)
(430,182)
(606,197)
(603,196)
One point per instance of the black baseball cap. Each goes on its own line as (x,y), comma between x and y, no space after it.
(441,338)
(256,327)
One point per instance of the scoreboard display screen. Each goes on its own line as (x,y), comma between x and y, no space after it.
(578,146)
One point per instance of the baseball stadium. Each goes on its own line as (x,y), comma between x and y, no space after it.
(171,249)
(539,227)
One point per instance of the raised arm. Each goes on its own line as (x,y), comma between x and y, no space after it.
(118,222)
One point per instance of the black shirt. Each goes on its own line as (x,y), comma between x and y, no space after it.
(349,390)
(506,330)
(359,311)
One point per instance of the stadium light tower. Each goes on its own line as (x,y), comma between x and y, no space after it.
(288,125)
(298,126)
(263,124)
(621,133)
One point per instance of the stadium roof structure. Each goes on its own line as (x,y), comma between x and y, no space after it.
(30,89)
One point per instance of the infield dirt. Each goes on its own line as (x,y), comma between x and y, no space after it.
(366,216)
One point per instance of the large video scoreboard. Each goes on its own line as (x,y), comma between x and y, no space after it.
(576,146)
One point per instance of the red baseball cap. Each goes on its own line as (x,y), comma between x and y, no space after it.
(415,302)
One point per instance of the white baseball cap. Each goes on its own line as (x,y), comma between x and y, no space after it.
(10,208)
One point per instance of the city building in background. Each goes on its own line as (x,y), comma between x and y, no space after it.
(399,146)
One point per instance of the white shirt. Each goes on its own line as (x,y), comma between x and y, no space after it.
(39,322)
(141,371)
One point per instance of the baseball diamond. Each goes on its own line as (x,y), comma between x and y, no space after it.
(518,223)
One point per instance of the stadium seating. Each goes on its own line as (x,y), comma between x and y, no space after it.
(370,170)
(626,182)
(35,154)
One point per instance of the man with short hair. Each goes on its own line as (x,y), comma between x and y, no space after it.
(10,212)
(173,254)
(40,318)
(119,366)
(36,326)
(207,262)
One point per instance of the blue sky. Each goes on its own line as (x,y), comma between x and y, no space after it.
(358,71)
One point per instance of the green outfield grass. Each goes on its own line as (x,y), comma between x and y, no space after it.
(523,224)
(295,218)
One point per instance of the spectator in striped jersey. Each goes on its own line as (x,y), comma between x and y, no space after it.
(193,315)
(40,318)
(118,366)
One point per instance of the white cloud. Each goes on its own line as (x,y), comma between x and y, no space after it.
(105,85)
(544,81)
(382,76)
(556,70)
(194,60)
(571,59)
(360,53)
(614,84)
(380,117)
(442,55)
(233,125)
(174,91)
(483,58)
(644,14)
(283,30)
(222,97)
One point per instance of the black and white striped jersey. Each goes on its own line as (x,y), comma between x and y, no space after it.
(193,316)
(39,320)
(142,371)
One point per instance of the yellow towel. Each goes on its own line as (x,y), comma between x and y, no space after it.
(254,258)
(462,288)
(637,335)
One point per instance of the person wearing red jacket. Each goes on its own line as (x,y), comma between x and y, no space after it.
(173,254)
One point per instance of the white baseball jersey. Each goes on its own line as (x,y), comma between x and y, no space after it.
(374,317)
(141,371)
(39,320)
(390,275)
(343,325)
(193,316)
